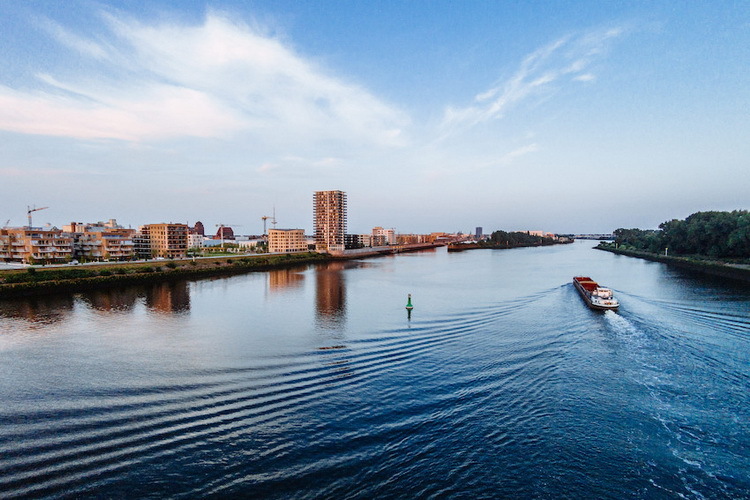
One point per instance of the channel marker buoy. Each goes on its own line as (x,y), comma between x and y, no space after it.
(409,306)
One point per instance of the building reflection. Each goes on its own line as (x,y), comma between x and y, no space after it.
(168,297)
(330,296)
(161,297)
(114,299)
(282,279)
(43,309)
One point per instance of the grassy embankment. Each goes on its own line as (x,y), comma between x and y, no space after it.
(41,280)
(739,269)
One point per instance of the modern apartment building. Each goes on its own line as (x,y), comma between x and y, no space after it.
(355,241)
(411,239)
(141,245)
(329,213)
(195,240)
(168,241)
(382,237)
(286,240)
(32,245)
(114,244)
(101,241)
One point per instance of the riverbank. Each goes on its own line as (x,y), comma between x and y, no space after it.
(460,247)
(71,279)
(40,280)
(706,266)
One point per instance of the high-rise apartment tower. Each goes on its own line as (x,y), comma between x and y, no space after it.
(329,211)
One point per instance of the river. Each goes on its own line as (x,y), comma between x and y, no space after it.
(314,383)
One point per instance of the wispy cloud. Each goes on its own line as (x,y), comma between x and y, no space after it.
(78,43)
(516,153)
(462,167)
(586,77)
(34,173)
(161,111)
(295,162)
(568,58)
(217,79)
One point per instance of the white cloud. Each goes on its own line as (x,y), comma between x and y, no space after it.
(161,111)
(517,153)
(586,77)
(570,55)
(216,79)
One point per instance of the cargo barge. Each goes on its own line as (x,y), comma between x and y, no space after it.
(595,296)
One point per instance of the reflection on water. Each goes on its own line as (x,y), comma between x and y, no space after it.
(504,385)
(174,297)
(160,297)
(169,297)
(330,296)
(281,279)
(43,309)
(112,300)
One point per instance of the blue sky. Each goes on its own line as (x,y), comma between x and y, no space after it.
(432,116)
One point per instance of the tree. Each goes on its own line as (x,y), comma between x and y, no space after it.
(713,234)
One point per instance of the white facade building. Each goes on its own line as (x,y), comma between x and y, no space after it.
(195,240)
(382,237)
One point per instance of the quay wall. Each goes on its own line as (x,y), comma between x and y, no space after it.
(360,253)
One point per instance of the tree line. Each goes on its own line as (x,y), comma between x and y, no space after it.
(712,234)
(518,239)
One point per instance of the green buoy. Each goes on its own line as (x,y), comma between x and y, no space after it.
(409,306)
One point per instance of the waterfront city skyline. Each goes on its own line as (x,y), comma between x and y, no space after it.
(572,118)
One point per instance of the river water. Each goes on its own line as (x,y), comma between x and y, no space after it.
(314,383)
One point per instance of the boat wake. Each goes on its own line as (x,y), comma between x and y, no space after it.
(620,324)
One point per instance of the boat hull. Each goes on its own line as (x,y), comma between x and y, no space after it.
(587,288)
(597,307)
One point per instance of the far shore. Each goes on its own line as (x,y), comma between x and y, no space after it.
(460,247)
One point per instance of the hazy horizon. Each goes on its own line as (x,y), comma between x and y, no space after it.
(578,117)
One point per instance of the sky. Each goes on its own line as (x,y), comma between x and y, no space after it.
(569,117)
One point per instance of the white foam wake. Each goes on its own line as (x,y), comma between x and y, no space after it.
(620,324)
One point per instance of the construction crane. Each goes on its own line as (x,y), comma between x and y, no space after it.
(29,210)
(273,220)
(265,218)
(7,223)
